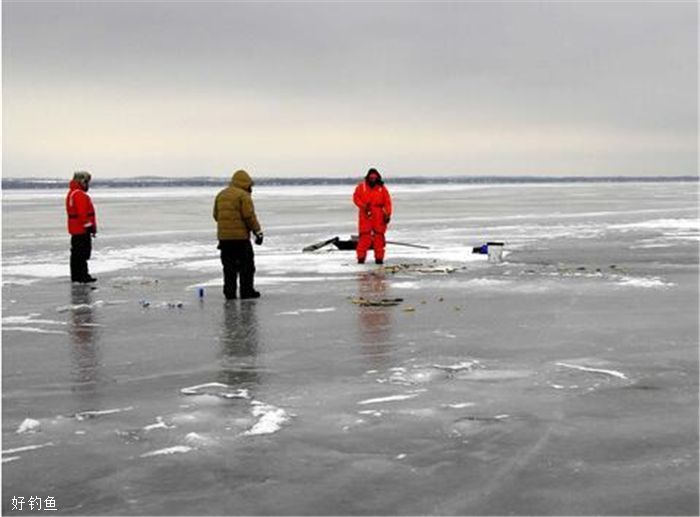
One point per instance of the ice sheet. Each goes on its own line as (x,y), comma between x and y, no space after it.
(459,407)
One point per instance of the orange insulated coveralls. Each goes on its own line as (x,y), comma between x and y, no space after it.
(374,204)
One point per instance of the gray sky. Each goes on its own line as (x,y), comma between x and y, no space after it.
(329,89)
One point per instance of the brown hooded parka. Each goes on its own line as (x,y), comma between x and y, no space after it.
(234,212)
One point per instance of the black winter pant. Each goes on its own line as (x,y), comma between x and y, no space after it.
(238,259)
(80,251)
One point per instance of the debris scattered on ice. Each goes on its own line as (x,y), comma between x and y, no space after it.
(123,281)
(378,302)
(29,425)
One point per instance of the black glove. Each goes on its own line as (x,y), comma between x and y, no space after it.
(259,238)
(387,218)
(92,229)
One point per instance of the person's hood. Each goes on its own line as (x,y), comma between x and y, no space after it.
(376,172)
(242,180)
(76,185)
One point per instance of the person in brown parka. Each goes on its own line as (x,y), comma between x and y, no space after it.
(235,218)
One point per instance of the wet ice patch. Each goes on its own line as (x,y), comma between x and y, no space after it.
(270,419)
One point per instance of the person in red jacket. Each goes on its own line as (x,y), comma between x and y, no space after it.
(374,203)
(82,226)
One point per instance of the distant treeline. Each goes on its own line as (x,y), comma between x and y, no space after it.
(145,182)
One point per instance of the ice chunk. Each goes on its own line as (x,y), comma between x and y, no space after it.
(198,440)
(27,448)
(392,398)
(177,449)
(217,389)
(463,365)
(160,424)
(271,419)
(29,425)
(83,415)
(613,373)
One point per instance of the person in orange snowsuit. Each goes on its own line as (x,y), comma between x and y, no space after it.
(82,226)
(374,203)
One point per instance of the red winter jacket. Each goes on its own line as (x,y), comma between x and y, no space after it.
(374,205)
(81,212)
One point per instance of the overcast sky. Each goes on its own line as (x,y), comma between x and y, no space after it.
(329,89)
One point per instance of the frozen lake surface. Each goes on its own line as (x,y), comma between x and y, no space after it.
(563,381)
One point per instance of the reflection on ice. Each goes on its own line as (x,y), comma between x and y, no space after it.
(239,338)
